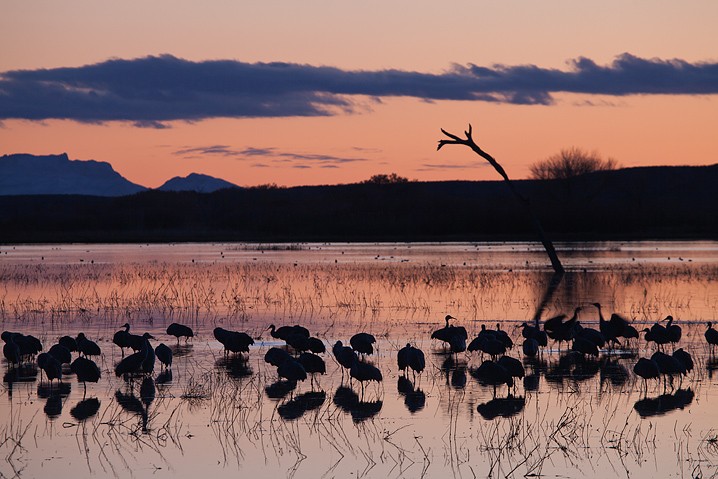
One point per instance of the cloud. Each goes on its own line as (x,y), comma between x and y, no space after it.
(451,166)
(273,155)
(155,90)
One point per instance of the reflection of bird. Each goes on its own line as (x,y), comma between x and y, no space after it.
(454,336)
(164,354)
(85,409)
(411,357)
(711,336)
(86,371)
(122,338)
(180,330)
(87,347)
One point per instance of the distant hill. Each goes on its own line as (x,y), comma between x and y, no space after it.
(633,203)
(196,182)
(23,174)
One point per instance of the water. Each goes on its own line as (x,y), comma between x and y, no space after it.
(224,416)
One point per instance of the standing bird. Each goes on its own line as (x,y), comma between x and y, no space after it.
(647,369)
(559,330)
(312,364)
(530,347)
(454,336)
(364,372)
(344,355)
(61,353)
(132,364)
(411,357)
(711,336)
(51,366)
(673,331)
(180,330)
(363,343)
(123,338)
(276,356)
(164,354)
(87,347)
(532,332)
(512,365)
(493,374)
(86,371)
(69,342)
(11,350)
(233,341)
(292,370)
(283,332)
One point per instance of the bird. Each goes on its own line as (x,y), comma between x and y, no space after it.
(503,336)
(489,344)
(233,341)
(673,331)
(684,358)
(530,347)
(454,336)
(363,343)
(316,345)
(86,371)
(411,357)
(180,330)
(711,336)
(292,370)
(585,346)
(61,353)
(668,365)
(647,369)
(132,364)
(363,372)
(87,347)
(11,350)
(512,365)
(69,342)
(164,354)
(312,364)
(50,365)
(344,355)
(532,332)
(276,356)
(559,330)
(283,332)
(122,338)
(490,373)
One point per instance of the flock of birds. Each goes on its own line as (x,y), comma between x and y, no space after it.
(306,360)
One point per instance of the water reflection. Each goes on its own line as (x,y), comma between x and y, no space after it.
(300,404)
(454,370)
(414,398)
(85,409)
(280,389)
(348,401)
(138,407)
(665,403)
(501,407)
(236,366)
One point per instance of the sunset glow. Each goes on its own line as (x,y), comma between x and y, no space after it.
(320,93)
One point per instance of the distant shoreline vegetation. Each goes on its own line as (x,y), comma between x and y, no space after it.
(633,203)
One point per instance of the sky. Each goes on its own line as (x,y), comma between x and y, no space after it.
(326,92)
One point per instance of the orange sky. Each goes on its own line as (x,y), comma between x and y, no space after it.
(380,135)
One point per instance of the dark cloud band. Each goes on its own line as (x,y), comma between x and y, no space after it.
(154,90)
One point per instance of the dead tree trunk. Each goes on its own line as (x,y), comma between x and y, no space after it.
(469,141)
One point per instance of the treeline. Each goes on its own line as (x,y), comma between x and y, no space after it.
(656,202)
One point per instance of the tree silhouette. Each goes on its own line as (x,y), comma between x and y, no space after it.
(469,141)
(383,179)
(569,163)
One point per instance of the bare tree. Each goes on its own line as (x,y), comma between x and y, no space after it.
(469,141)
(569,163)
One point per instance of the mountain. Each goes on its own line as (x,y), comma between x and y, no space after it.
(24,174)
(196,182)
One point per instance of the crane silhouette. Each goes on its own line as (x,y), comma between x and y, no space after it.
(180,331)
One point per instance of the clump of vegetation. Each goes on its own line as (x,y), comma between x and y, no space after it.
(569,163)
(383,179)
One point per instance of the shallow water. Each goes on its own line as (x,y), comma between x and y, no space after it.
(224,416)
